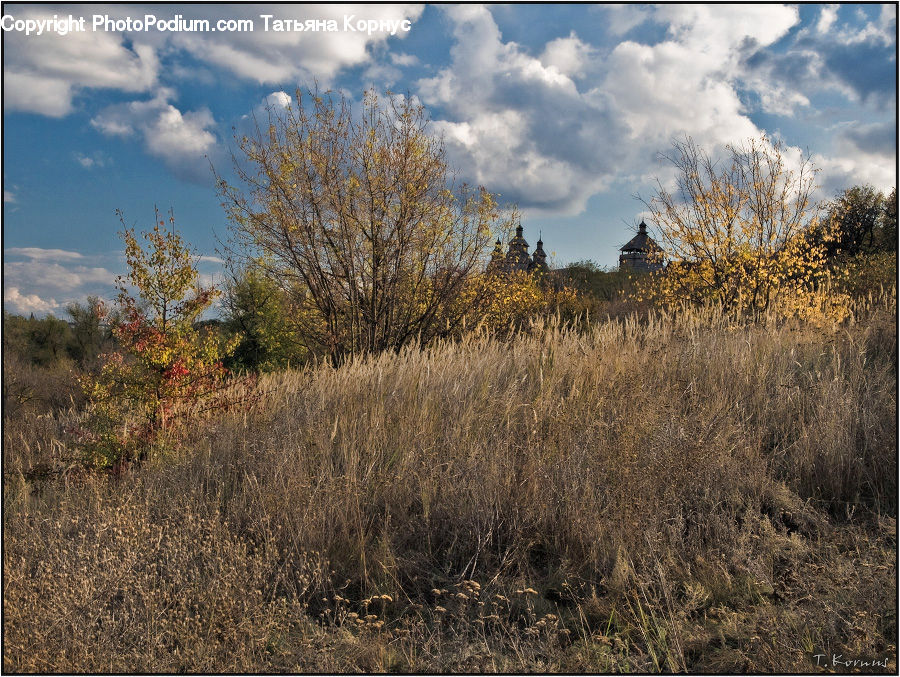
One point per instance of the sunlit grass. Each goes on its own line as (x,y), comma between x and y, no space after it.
(677,492)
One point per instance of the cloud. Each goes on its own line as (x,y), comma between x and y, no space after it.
(97,159)
(182,140)
(834,55)
(273,105)
(400,59)
(570,56)
(780,79)
(38,280)
(25,304)
(292,56)
(828,55)
(861,154)
(277,100)
(517,125)
(9,196)
(550,132)
(39,254)
(880,30)
(688,84)
(840,171)
(714,30)
(827,17)
(622,18)
(864,70)
(61,276)
(43,73)
(670,90)
(879,138)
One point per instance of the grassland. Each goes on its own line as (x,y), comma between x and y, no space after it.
(678,492)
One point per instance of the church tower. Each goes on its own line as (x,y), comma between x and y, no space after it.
(517,256)
(496,257)
(641,253)
(539,258)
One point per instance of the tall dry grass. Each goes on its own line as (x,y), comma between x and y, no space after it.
(679,492)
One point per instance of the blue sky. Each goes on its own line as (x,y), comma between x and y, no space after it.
(562,109)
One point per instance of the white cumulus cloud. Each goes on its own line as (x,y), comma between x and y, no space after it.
(38,280)
(292,56)
(42,73)
(518,125)
(827,17)
(549,132)
(16,302)
(570,56)
(182,140)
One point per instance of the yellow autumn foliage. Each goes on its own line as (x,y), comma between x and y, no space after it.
(737,232)
(501,300)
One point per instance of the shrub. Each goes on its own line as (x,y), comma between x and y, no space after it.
(165,368)
(504,301)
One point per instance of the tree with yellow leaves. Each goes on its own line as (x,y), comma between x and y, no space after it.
(735,231)
(165,367)
(356,215)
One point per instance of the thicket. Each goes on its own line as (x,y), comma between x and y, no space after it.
(43,357)
(745,233)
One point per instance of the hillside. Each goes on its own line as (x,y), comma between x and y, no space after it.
(683,492)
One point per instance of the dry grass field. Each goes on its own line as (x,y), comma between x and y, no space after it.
(680,492)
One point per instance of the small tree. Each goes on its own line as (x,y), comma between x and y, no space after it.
(590,280)
(854,216)
(863,254)
(359,217)
(735,232)
(91,333)
(260,313)
(165,367)
(49,340)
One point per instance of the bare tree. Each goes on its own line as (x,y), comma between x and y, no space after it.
(359,219)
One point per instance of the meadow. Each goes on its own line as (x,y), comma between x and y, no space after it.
(677,491)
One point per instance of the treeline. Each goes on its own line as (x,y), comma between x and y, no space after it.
(863,255)
(78,339)
(45,357)
(866,221)
(42,357)
(259,312)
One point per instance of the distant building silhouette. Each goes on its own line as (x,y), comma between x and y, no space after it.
(641,253)
(516,257)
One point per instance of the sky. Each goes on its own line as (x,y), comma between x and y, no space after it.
(564,110)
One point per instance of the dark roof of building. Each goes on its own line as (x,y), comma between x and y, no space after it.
(640,242)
